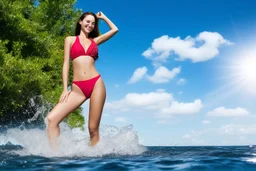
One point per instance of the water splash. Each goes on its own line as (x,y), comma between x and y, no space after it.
(41,110)
(74,142)
(31,138)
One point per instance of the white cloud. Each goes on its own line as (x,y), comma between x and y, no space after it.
(117,86)
(182,108)
(205,122)
(120,119)
(228,134)
(159,102)
(222,111)
(163,75)
(232,129)
(138,74)
(144,101)
(181,81)
(148,53)
(201,48)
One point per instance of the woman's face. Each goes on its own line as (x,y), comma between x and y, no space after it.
(88,23)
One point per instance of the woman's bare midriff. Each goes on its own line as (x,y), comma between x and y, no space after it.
(83,68)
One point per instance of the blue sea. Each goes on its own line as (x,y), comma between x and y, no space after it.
(119,149)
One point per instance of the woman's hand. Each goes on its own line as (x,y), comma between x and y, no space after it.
(100,15)
(64,96)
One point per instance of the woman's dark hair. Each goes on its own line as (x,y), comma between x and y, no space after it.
(95,32)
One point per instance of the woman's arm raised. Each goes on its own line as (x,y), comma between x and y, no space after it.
(113,29)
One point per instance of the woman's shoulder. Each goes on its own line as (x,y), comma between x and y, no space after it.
(70,38)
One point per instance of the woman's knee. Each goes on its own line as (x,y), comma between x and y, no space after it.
(51,120)
(93,130)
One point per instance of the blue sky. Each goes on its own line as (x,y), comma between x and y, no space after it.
(181,72)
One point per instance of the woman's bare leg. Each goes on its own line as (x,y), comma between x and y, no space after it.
(97,101)
(60,111)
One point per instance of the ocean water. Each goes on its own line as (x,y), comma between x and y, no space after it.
(119,149)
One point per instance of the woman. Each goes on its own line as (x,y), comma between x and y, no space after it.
(87,83)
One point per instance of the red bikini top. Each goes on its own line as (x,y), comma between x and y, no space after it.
(78,50)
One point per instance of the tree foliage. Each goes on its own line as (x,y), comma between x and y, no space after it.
(31,53)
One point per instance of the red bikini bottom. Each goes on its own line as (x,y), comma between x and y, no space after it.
(86,86)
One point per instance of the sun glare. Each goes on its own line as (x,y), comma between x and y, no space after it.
(246,71)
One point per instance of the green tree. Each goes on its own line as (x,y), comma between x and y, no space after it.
(31,55)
